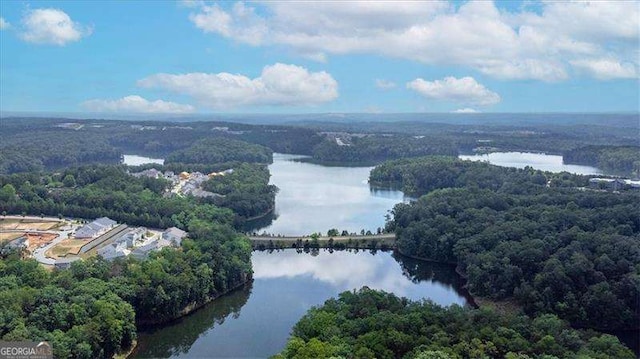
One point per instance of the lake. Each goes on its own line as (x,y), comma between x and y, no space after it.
(255,322)
(539,161)
(315,198)
(135,160)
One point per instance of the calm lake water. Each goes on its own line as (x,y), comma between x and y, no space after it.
(539,161)
(316,198)
(255,322)
(135,160)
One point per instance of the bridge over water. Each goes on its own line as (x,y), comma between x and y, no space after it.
(387,240)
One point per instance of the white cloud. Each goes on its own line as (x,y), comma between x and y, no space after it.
(508,45)
(465,110)
(191,3)
(51,26)
(4,24)
(464,90)
(607,69)
(136,104)
(278,84)
(242,23)
(385,84)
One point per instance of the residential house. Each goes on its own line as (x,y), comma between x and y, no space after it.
(95,228)
(113,251)
(174,236)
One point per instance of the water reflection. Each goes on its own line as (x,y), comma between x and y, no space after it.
(286,285)
(345,270)
(177,338)
(539,161)
(135,160)
(315,198)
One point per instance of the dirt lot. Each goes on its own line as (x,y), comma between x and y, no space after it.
(68,246)
(41,225)
(36,240)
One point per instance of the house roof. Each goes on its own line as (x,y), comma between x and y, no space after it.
(91,229)
(175,232)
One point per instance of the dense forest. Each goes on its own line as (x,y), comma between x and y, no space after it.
(375,324)
(246,191)
(100,190)
(617,159)
(523,236)
(91,310)
(373,149)
(218,150)
(99,319)
(39,144)
(555,250)
(419,176)
(109,190)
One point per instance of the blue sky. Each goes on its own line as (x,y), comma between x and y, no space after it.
(297,57)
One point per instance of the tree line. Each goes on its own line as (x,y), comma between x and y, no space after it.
(374,324)
(617,159)
(564,251)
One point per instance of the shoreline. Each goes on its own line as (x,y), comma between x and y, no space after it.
(188,310)
(512,307)
(262,215)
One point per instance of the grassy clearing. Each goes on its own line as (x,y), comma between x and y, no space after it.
(507,307)
(41,225)
(68,246)
(9,236)
(9,223)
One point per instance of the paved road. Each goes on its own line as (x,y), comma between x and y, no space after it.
(39,253)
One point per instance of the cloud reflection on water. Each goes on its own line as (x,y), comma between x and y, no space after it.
(344,270)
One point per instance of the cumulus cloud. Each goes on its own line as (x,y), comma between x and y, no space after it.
(4,24)
(508,45)
(464,90)
(385,84)
(465,110)
(136,104)
(278,84)
(607,69)
(51,26)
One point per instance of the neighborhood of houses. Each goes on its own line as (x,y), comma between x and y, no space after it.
(185,183)
(60,242)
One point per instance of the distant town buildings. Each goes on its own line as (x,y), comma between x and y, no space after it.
(226,130)
(70,125)
(613,184)
(95,228)
(185,183)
